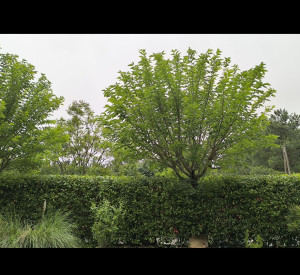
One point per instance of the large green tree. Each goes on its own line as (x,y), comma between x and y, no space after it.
(26,101)
(187,112)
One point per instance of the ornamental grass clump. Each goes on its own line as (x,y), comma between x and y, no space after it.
(10,230)
(54,230)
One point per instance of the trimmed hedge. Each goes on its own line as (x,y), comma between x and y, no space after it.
(259,204)
(160,208)
(222,207)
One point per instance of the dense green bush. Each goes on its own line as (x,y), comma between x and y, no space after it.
(107,222)
(160,209)
(293,219)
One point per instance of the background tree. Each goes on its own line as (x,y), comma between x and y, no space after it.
(26,103)
(189,112)
(56,138)
(286,127)
(85,146)
(270,160)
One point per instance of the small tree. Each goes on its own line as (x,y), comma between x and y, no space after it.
(187,112)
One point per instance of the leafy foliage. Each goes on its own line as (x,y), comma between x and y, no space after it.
(189,112)
(286,127)
(85,146)
(257,243)
(25,106)
(293,219)
(106,227)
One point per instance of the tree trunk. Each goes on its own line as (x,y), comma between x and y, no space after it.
(193,179)
(286,161)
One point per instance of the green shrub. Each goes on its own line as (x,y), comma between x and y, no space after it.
(257,243)
(293,223)
(107,222)
(293,219)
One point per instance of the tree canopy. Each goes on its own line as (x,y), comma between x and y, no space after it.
(25,105)
(187,112)
(284,125)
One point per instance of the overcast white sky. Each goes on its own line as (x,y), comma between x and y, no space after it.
(80,66)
